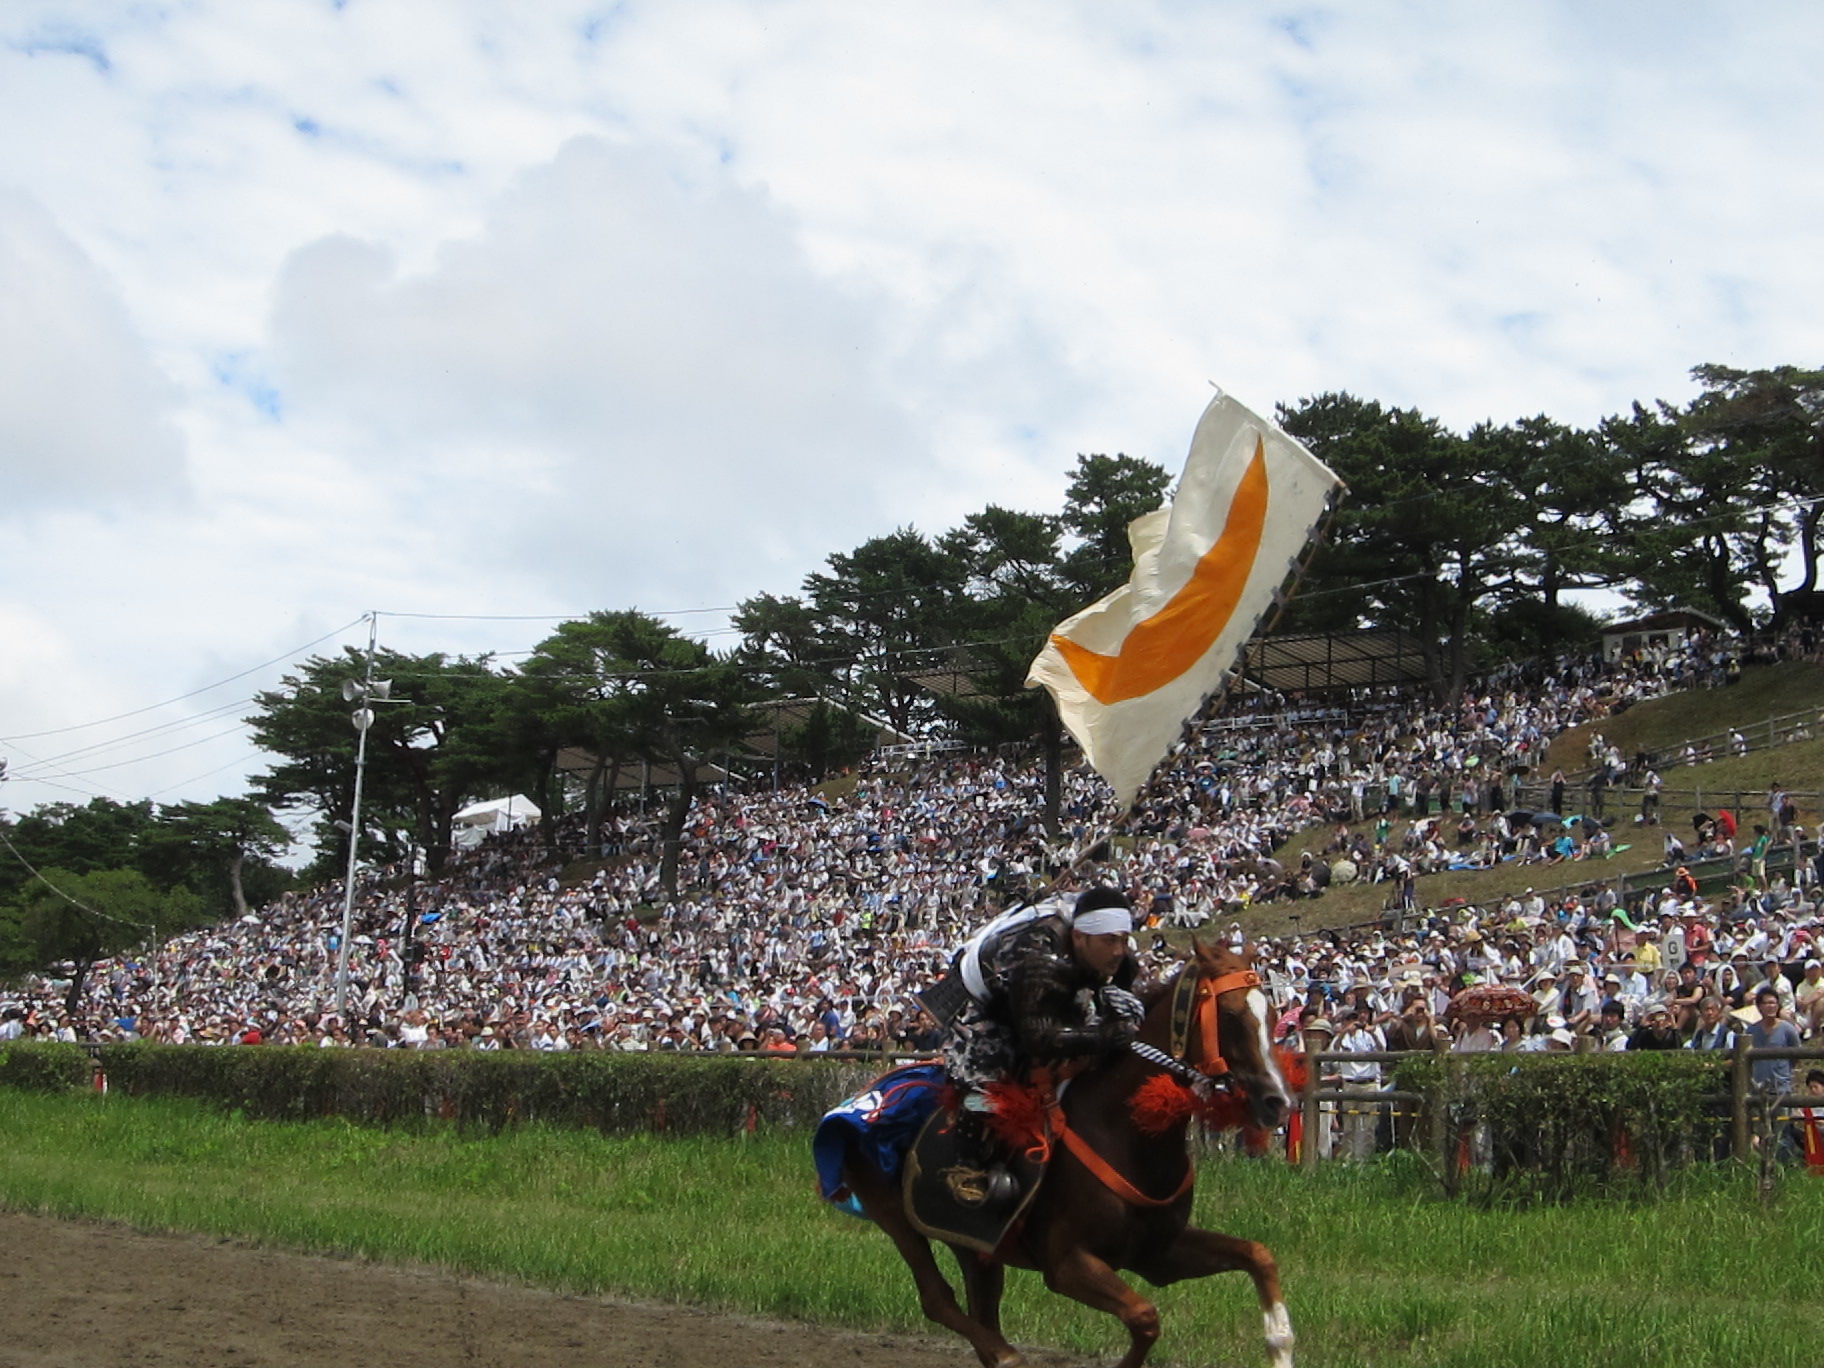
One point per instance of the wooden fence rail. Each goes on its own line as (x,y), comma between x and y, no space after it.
(1743,1101)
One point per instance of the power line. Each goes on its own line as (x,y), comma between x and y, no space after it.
(140,759)
(185,783)
(884,656)
(80,790)
(153,707)
(85,790)
(102,747)
(74,902)
(543,617)
(888,657)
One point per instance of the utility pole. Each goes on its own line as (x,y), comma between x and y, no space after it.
(367,690)
(407,938)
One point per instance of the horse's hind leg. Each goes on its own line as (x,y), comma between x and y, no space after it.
(1083,1277)
(880,1199)
(1199,1253)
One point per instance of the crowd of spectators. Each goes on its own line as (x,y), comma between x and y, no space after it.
(806,923)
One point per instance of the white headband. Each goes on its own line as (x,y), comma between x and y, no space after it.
(1104,921)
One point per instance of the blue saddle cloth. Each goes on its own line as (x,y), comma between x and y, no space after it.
(881,1122)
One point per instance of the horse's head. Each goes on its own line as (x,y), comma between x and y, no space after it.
(1226,1030)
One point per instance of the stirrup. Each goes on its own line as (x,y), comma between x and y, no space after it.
(1003,1187)
(985,1188)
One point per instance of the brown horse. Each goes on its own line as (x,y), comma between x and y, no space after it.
(1117,1196)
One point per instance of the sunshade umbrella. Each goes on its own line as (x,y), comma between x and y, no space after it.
(1521,817)
(1491,1002)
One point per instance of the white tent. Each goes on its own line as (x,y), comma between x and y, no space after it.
(496,814)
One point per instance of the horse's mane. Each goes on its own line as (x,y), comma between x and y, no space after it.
(1150,991)
(1153,989)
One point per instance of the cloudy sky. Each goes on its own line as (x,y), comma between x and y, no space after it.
(447,307)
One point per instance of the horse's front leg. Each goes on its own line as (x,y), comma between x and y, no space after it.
(984,1279)
(1083,1277)
(879,1198)
(1199,1253)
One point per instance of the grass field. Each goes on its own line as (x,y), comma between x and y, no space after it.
(1378,1269)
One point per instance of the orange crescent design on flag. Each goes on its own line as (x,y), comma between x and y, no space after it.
(1176,637)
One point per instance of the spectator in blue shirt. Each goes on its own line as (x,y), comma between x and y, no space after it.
(1772,1032)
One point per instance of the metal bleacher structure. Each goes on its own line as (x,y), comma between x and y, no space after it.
(1328,663)
(1315,664)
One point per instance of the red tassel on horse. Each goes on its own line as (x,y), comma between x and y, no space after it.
(1294,1067)
(1162,1103)
(1018,1117)
(1225,1111)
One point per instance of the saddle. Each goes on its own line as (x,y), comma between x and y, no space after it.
(943,1190)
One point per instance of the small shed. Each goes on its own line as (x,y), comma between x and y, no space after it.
(1670,629)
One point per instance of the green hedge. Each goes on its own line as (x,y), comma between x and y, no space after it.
(1531,1125)
(45,1068)
(1556,1126)
(610,1092)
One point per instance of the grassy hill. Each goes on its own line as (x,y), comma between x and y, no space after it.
(1765,692)
(1739,782)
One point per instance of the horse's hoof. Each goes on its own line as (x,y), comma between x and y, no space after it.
(1279,1336)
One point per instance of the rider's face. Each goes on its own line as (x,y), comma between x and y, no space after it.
(1100,954)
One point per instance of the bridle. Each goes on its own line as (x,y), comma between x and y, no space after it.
(1193,1017)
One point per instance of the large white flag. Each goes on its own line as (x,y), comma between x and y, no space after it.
(1129,671)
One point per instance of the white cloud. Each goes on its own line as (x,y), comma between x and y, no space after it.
(85,418)
(631,366)
(444,305)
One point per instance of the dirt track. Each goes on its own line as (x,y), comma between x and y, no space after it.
(80,1295)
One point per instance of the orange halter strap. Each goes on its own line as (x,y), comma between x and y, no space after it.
(1112,1180)
(1193,1010)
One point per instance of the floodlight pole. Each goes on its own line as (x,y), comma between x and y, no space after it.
(363,719)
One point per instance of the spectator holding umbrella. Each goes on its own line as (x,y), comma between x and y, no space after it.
(1726,829)
(1477,1010)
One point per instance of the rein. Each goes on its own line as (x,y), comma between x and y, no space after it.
(1193,1010)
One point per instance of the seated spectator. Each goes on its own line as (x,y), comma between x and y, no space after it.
(1656,1031)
